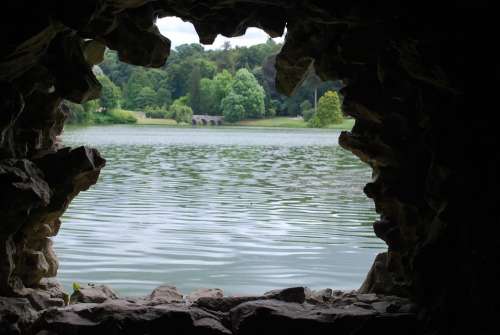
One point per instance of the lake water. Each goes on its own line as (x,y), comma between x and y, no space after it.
(242,209)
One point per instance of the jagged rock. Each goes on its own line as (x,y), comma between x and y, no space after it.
(16,315)
(278,317)
(224,304)
(319,296)
(122,317)
(292,294)
(404,68)
(92,294)
(205,293)
(165,294)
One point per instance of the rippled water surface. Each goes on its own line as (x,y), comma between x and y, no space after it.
(246,210)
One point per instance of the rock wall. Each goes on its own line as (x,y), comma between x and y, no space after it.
(405,67)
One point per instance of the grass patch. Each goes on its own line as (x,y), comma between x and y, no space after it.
(289,122)
(346,124)
(157,122)
(280,121)
(114,116)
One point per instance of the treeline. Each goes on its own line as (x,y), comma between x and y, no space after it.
(237,83)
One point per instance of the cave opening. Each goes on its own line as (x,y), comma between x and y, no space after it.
(150,220)
(405,68)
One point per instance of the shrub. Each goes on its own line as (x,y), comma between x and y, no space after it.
(115,116)
(156,112)
(308,114)
(329,111)
(183,114)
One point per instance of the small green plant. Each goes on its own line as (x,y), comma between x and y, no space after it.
(76,287)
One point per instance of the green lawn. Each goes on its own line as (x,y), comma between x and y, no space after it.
(289,122)
(165,122)
(278,122)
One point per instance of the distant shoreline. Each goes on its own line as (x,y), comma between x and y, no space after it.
(276,122)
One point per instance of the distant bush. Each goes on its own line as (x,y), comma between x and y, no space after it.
(157,113)
(270,112)
(183,114)
(114,116)
(329,111)
(308,114)
(122,116)
(180,111)
(305,106)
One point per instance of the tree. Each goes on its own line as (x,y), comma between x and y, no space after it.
(232,107)
(137,81)
(145,98)
(110,93)
(222,86)
(252,94)
(163,97)
(194,90)
(329,110)
(208,98)
(180,111)
(305,105)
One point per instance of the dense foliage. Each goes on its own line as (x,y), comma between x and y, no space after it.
(237,83)
(329,111)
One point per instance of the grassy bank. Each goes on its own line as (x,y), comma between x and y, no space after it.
(276,122)
(288,122)
(157,122)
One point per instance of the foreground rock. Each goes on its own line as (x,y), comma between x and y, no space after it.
(290,311)
(93,294)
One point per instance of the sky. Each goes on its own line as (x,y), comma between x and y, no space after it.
(180,32)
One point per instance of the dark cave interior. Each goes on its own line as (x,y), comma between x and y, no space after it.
(405,67)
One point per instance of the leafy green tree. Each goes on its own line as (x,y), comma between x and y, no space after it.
(232,107)
(194,90)
(305,105)
(222,86)
(137,81)
(163,97)
(308,114)
(252,94)
(208,98)
(110,93)
(145,98)
(180,111)
(307,110)
(329,110)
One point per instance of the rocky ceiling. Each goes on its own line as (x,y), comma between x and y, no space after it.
(405,67)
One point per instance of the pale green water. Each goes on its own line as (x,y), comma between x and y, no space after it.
(246,210)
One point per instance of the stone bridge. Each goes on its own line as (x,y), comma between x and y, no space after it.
(205,120)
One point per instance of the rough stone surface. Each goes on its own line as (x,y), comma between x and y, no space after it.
(205,293)
(16,315)
(93,294)
(404,66)
(347,313)
(164,294)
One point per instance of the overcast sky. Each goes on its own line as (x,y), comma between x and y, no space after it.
(180,32)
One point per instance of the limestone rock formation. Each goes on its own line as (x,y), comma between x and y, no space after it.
(273,313)
(405,67)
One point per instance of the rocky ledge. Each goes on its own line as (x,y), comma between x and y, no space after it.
(97,309)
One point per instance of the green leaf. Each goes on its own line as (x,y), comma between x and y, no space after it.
(76,287)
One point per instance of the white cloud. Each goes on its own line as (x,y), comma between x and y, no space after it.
(180,32)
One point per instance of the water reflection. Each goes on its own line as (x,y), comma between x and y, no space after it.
(245,210)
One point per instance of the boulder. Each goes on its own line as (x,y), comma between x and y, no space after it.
(93,294)
(205,293)
(163,295)
(123,317)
